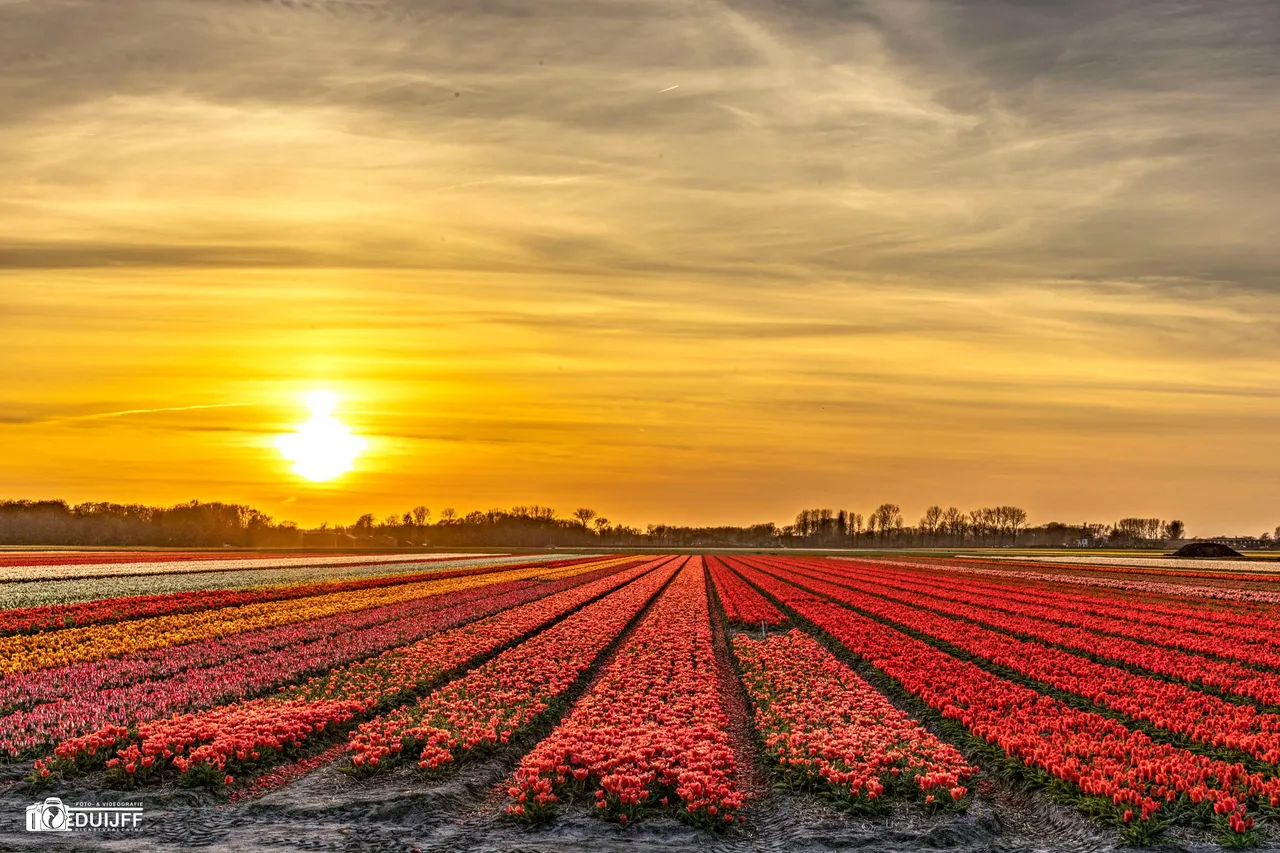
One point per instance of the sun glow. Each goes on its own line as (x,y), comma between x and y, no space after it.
(322,448)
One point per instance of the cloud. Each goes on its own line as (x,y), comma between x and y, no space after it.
(979,142)
(1033,219)
(70,254)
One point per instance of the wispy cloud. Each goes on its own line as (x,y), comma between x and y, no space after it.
(844,140)
(127,412)
(54,419)
(992,214)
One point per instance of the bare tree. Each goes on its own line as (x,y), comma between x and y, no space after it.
(953,522)
(601,524)
(1133,530)
(584,515)
(447,515)
(855,524)
(931,521)
(826,523)
(980,524)
(802,526)
(420,516)
(1174,530)
(888,517)
(1015,519)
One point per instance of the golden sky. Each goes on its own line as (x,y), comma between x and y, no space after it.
(693,262)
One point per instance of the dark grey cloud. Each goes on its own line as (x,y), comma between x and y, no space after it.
(74,254)
(955,144)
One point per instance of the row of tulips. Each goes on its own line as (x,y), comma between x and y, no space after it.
(55,592)
(71,701)
(94,557)
(24,653)
(650,732)
(57,558)
(827,727)
(39,568)
(28,690)
(742,604)
(1252,642)
(209,746)
(33,620)
(489,704)
(1226,676)
(1100,757)
(1107,600)
(1204,591)
(1176,708)
(1210,615)
(1172,567)
(32,689)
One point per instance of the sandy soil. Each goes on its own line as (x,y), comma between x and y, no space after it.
(1190,563)
(462,811)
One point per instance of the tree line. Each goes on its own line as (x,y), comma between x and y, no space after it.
(213,524)
(984,527)
(191,524)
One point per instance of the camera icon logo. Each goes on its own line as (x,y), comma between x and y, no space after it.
(49,816)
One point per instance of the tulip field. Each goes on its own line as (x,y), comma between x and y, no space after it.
(566,701)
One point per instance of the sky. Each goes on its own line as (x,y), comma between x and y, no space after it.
(681,261)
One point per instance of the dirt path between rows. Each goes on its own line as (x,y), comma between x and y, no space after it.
(463,812)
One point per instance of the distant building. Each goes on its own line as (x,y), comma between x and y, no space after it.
(319,539)
(1240,543)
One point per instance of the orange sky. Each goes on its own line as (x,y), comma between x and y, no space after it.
(860,253)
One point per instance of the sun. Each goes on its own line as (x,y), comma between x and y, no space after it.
(323,447)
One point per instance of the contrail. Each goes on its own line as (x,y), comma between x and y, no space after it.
(669,88)
(124,412)
(524,180)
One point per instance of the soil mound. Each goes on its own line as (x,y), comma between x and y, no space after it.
(1206,549)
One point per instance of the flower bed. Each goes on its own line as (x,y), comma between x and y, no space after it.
(33,620)
(1176,708)
(1225,675)
(650,733)
(243,736)
(45,593)
(827,727)
(57,704)
(24,653)
(1115,770)
(1249,638)
(742,604)
(489,704)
